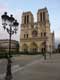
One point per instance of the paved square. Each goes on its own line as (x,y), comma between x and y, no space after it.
(36,68)
(41,70)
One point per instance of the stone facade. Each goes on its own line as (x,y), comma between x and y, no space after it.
(36,36)
(4,45)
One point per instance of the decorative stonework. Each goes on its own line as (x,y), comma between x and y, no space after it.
(37,33)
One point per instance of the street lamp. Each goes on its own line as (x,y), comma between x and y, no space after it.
(10,25)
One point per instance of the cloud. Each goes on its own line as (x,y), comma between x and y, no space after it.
(2,33)
(17,15)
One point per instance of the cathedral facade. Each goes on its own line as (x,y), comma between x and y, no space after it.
(36,36)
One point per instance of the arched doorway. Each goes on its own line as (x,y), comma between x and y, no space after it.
(25,47)
(43,47)
(33,47)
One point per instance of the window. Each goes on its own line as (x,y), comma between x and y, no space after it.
(41,34)
(44,33)
(25,20)
(25,36)
(44,16)
(41,17)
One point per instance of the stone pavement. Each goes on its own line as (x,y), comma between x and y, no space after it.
(18,62)
(41,70)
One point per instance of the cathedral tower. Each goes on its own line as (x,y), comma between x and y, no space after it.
(36,36)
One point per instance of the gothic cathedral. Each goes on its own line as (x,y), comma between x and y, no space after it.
(36,36)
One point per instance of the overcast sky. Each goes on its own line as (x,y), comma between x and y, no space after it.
(16,7)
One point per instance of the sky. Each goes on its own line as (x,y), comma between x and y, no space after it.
(16,7)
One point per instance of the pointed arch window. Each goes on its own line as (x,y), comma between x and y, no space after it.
(25,20)
(43,16)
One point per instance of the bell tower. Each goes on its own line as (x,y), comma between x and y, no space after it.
(36,36)
(26,25)
(44,27)
(43,20)
(27,18)
(42,15)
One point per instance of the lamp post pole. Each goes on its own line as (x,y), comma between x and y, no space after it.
(11,30)
(10,42)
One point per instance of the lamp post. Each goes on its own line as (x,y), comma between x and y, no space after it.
(10,25)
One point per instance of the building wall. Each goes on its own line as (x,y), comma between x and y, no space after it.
(35,36)
(4,45)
